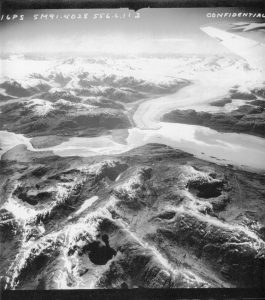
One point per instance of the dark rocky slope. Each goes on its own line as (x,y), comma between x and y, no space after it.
(83,105)
(152,217)
(248,118)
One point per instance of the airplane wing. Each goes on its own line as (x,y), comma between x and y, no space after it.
(252,51)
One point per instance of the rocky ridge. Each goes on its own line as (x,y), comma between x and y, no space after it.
(152,217)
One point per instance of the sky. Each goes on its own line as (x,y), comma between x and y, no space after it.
(156,31)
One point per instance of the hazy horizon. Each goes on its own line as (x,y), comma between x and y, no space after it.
(157,31)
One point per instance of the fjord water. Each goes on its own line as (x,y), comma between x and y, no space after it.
(242,150)
(222,148)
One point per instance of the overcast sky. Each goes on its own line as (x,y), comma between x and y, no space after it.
(156,31)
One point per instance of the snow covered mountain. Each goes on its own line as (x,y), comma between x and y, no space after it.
(124,207)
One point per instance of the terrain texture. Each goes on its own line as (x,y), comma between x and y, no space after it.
(248,117)
(152,217)
(142,172)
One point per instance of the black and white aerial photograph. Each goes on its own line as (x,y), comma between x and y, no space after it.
(132,149)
